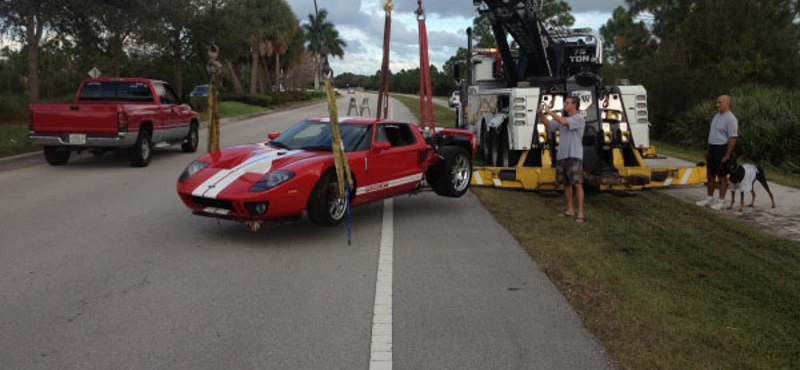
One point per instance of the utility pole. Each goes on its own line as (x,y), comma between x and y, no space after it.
(317,56)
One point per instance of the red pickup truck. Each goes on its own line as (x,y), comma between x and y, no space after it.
(112,114)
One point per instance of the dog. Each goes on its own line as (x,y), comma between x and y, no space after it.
(743,178)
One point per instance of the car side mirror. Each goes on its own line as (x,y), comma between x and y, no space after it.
(273,135)
(380,146)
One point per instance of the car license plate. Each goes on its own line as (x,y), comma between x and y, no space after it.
(77,138)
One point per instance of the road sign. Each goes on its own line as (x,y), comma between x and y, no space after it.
(95,73)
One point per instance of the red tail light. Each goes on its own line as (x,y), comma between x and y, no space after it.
(122,121)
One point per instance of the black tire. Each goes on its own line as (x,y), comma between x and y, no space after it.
(56,156)
(140,151)
(192,140)
(504,159)
(497,142)
(486,143)
(321,208)
(451,176)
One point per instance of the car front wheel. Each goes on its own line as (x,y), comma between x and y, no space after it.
(325,206)
(451,176)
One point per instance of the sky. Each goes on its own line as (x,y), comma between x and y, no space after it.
(361,22)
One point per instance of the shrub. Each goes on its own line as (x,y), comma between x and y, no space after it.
(769,125)
(13,107)
(199,103)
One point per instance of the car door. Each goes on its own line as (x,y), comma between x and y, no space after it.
(165,109)
(397,169)
(177,126)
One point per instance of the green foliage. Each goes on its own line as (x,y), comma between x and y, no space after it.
(14,140)
(199,103)
(272,98)
(769,125)
(13,107)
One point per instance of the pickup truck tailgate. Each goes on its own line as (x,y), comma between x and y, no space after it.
(81,118)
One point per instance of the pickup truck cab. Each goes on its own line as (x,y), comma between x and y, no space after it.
(129,114)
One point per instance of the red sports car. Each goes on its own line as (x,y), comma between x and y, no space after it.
(294,171)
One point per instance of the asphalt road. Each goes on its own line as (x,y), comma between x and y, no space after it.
(104,268)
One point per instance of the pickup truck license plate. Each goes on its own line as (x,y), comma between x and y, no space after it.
(77,138)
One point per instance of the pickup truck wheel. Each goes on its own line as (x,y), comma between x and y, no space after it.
(451,176)
(325,207)
(190,145)
(140,152)
(56,156)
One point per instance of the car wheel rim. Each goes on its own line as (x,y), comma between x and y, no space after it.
(336,205)
(145,149)
(461,173)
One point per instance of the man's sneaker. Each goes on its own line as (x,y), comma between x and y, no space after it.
(717,205)
(705,201)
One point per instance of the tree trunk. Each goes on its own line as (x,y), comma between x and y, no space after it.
(253,69)
(316,72)
(277,71)
(264,77)
(33,33)
(237,86)
(176,53)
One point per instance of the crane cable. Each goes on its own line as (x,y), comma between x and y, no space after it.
(383,90)
(425,93)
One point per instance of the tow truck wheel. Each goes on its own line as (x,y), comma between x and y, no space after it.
(497,141)
(325,207)
(140,152)
(190,145)
(486,143)
(451,176)
(56,156)
(505,155)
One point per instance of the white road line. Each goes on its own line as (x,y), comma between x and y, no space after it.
(380,352)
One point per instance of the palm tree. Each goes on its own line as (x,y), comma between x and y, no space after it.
(323,40)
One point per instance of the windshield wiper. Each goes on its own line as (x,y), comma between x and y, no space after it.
(317,147)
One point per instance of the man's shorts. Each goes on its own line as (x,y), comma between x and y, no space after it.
(569,171)
(715,154)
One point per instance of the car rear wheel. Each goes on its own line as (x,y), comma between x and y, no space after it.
(56,156)
(190,145)
(325,206)
(451,176)
(140,152)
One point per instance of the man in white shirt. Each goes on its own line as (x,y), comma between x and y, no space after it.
(721,141)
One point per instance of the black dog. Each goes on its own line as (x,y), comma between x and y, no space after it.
(743,178)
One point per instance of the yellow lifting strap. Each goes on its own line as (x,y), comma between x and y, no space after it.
(339,156)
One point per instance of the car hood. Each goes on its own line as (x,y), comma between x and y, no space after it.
(260,158)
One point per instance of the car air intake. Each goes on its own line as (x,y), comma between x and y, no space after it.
(216,203)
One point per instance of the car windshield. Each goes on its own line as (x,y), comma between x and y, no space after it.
(310,135)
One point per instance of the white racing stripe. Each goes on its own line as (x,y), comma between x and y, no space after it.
(260,164)
(388,184)
(380,352)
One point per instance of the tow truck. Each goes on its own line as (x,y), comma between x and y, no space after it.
(507,85)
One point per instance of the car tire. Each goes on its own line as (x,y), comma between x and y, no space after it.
(56,156)
(141,150)
(192,140)
(451,176)
(497,142)
(325,208)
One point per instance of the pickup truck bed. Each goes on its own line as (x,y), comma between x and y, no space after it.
(114,114)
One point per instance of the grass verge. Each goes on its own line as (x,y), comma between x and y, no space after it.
(693,154)
(14,139)
(443,116)
(232,109)
(663,285)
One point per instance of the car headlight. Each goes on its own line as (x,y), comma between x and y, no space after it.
(272,180)
(192,169)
